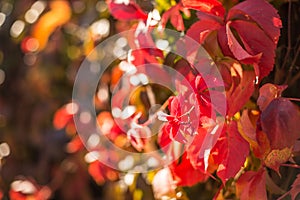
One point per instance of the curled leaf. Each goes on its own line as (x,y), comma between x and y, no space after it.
(267,93)
(213,7)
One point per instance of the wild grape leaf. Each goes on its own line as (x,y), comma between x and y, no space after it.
(281,122)
(204,142)
(248,129)
(185,174)
(213,7)
(171,148)
(175,17)
(252,185)
(267,93)
(256,43)
(236,48)
(230,151)
(295,188)
(260,11)
(122,11)
(193,151)
(242,87)
(277,157)
(263,148)
(199,30)
(258,140)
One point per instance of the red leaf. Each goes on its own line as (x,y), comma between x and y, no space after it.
(185,174)
(248,129)
(208,6)
(277,157)
(199,30)
(281,122)
(267,93)
(193,151)
(236,48)
(252,185)
(230,152)
(126,12)
(263,13)
(242,87)
(295,188)
(257,43)
(176,19)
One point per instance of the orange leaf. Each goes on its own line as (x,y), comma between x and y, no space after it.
(59,14)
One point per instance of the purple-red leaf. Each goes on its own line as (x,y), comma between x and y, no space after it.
(252,185)
(256,43)
(260,11)
(281,122)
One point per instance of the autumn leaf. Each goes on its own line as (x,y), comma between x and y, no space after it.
(294,191)
(263,13)
(295,188)
(185,174)
(230,152)
(261,36)
(267,93)
(122,11)
(276,157)
(241,88)
(242,34)
(175,17)
(257,44)
(252,185)
(281,122)
(213,7)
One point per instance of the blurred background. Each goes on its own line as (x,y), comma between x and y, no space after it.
(42,44)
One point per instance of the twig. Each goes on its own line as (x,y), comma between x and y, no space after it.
(293,99)
(289,35)
(294,79)
(290,165)
(292,66)
(149,121)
